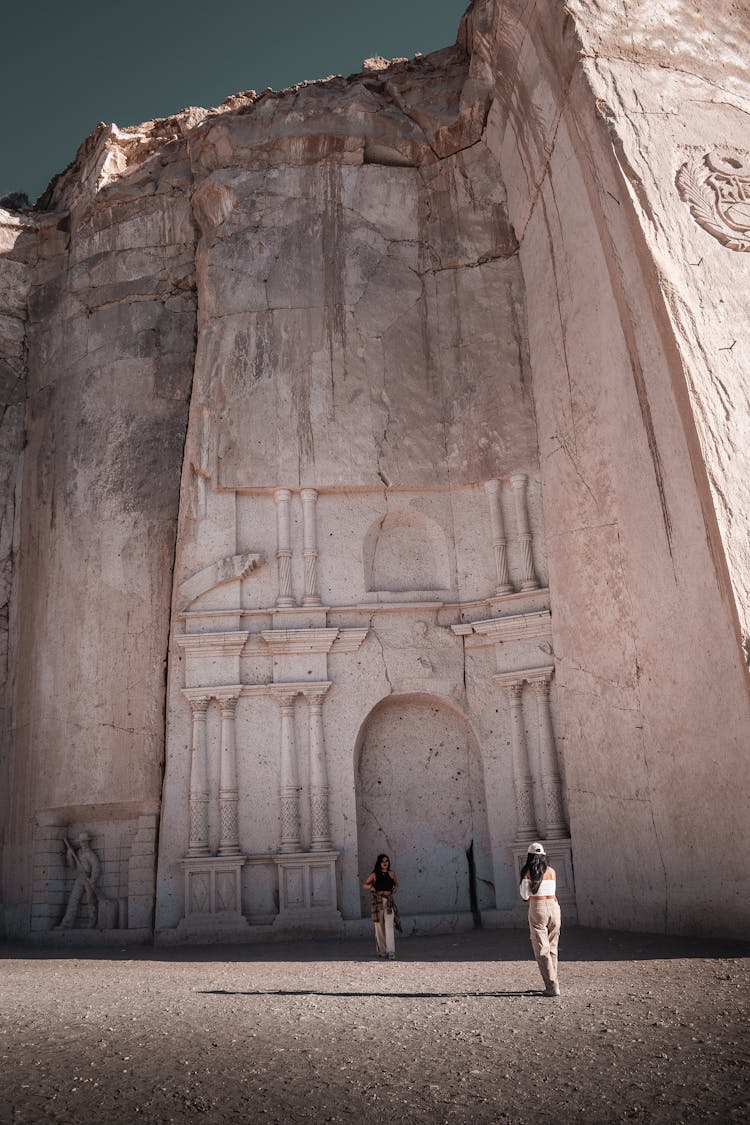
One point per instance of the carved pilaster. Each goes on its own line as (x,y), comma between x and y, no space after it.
(529,581)
(229,841)
(550,773)
(310,545)
(283,499)
(320,835)
(493,489)
(526,828)
(289,840)
(49,871)
(198,842)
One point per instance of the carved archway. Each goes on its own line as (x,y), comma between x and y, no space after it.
(420,798)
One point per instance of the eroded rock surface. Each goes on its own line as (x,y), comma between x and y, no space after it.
(412,406)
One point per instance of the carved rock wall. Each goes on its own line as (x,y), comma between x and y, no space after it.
(356,274)
(329,386)
(17,256)
(641,410)
(111,329)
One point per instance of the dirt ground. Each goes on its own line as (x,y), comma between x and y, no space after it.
(648,1029)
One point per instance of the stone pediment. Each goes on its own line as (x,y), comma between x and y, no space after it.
(232,568)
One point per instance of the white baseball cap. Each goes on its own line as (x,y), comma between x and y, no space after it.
(536,849)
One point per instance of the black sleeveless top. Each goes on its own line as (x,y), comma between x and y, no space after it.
(383,881)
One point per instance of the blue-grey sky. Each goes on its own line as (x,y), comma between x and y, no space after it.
(68,64)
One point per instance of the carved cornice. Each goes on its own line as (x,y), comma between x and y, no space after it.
(224,692)
(369,608)
(525,675)
(349,640)
(212,644)
(227,691)
(299,642)
(300,687)
(520,626)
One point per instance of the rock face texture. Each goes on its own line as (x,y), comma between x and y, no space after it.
(384,488)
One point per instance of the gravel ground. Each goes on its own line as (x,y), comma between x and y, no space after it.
(648,1029)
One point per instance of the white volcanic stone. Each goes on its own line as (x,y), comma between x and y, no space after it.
(386,488)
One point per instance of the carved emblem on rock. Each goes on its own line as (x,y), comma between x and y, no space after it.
(717,191)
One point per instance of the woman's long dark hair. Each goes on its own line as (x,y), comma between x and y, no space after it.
(383,879)
(534,869)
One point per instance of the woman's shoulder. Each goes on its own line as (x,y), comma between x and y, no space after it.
(550,873)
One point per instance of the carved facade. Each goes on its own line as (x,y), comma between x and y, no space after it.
(275,789)
(374,478)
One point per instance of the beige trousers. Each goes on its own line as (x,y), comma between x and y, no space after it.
(385,937)
(544,930)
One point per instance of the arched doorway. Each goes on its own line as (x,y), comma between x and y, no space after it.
(420,798)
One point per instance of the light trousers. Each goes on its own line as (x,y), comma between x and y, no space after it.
(544,930)
(385,937)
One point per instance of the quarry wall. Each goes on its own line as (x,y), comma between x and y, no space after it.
(384,488)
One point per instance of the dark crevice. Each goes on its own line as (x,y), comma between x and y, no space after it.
(473,897)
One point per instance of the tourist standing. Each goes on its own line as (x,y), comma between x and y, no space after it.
(383,884)
(538,887)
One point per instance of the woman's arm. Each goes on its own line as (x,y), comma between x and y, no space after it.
(369,881)
(395,880)
(525,888)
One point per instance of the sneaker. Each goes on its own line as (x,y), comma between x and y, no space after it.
(552,990)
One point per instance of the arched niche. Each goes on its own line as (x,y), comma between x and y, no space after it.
(420,798)
(405,550)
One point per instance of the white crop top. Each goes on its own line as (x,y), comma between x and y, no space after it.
(546,887)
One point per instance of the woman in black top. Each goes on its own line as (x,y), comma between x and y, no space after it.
(383,884)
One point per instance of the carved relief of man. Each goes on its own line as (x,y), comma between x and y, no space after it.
(88,869)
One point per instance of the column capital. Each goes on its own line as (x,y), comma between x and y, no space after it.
(228,697)
(282,495)
(534,676)
(283,693)
(309,494)
(316,691)
(198,701)
(512,681)
(492,487)
(540,678)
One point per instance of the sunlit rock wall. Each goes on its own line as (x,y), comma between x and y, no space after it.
(361,373)
(402,416)
(635,310)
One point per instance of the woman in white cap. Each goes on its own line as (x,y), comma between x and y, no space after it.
(538,887)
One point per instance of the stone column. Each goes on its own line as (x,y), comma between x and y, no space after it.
(198,844)
(288,788)
(493,489)
(310,545)
(320,835)
(229,839)
(283,499)
(523,785)
(529,580)
(550,773)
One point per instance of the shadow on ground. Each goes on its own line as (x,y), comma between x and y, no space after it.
(577,944)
